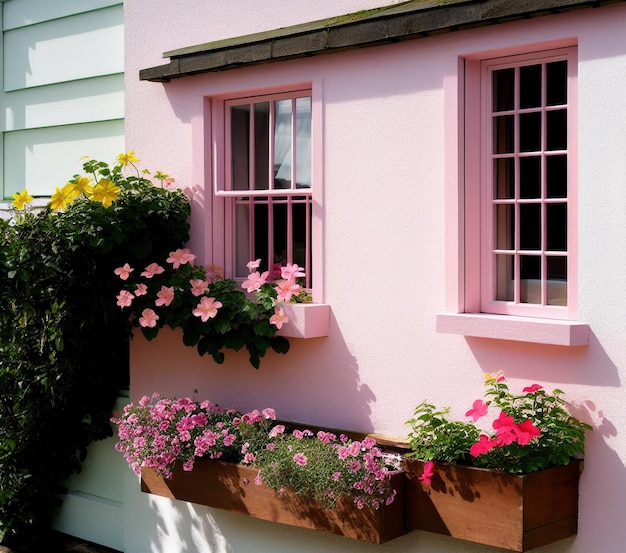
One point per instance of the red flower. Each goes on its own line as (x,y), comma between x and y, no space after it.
(532,388)
(526,431)
(484,445)
(428,472)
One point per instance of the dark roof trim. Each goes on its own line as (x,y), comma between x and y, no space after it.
(407,20)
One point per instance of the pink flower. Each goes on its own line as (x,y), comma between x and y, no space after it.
(526,431)
(148,318)
(291,272)
(253,265)
(504,423)
(285,289)
(124,272)
(141,290)
(152,269)
(269,413)
(479,409)
(279,318)
(169,181)
(300,459)
(532,388)
(180,257)
(428,473)
(198,286)
(278,429)
(484,445)
(165,296)
(124,299)
(255,281)
(207,308)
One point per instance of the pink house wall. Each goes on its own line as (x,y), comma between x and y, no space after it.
(390,171)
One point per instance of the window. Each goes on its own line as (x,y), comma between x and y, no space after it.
(526,185)
(267,181)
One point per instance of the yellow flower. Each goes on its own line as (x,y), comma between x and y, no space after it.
(82,185)
(105,192)
(126,158)
(62,197)
(21,198)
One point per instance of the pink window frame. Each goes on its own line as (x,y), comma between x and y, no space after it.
(219,232)
(479,273)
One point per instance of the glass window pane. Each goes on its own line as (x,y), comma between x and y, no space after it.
(242,241)
(530,281)
(303,142)
(282,144)
(261,145)
(556,176)
(556,77)
(556,227)
(261,244)
(503,89)
(240,146)
(530,132)
(530,226)
(504,277)
(503,137)
(530,86)
(530,177)
(504,179)
(505,227)
(556,130)
(279,227)
(557,280)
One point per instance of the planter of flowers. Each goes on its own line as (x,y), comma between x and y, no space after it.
(249,464)
(511,482)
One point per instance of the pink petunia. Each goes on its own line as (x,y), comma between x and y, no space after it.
(428,473)
(165,296)
(198,286)
(180,257)
(141,290)
(148,318)
(533,388)
(124,298)
(124,272)
(484,445)
(255,281)
(285,289)
(479,409)
(207,308)
(152,269)
(278,319)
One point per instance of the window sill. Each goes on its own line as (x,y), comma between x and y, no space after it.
(306,320)
(519,329)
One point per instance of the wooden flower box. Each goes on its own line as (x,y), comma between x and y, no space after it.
(231,487)
(515,512)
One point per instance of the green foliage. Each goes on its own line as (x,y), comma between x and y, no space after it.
(533,431)
(63,341)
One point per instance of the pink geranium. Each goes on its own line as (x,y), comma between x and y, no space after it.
(291,272)
(255,281)
(152,269)
(180,257)
(278,319)
(124,298)
(199,286)
(165,296)
(207,309)
(124,271)
(285,289)
(148,318)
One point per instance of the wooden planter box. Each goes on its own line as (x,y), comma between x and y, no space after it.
(516,512)
(231,487)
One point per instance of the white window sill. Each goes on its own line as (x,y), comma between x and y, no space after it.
(306,320)
(519,329)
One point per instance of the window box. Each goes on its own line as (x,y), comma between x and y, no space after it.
(306,320)
(231,487)
(511,511)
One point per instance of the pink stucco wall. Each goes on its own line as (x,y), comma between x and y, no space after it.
(390,175)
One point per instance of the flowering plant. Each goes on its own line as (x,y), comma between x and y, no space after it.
(213,312)
(529,432)
(160,433)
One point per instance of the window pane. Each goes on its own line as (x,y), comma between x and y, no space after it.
(279,224)
(530,132)
(261,245)
(556,93)
(530,177)
(556,130)
(530,226)
(242,241)
(530,86)
(556,176)
(282,144)
(303,142)
(556,227)
(557,280)
(505,227)
(504,179)
(504,277)
(503,89)
(301,217)
(261,145)
(530,282)
(240,146)
(503,134)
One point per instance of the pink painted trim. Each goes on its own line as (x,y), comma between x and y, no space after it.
(306,320)
(519,329)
